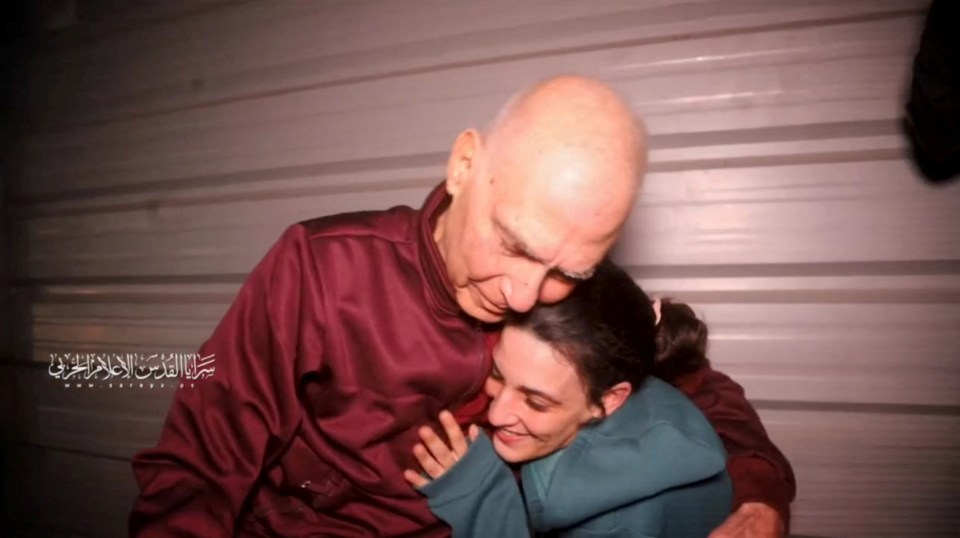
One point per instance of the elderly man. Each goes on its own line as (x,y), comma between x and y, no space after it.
(356,329)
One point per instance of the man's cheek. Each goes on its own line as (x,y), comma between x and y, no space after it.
(485,265)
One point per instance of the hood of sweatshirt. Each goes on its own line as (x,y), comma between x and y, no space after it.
(656,441)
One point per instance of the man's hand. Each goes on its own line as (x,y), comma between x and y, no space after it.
(434,455)
(751,520)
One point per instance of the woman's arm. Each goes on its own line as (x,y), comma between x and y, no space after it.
(763,481)
(472,489)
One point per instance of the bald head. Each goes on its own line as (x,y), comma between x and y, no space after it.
(540,198)
(576,121)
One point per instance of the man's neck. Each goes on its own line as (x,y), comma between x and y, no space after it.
(439,233)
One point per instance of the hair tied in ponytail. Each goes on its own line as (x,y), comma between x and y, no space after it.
(656,311)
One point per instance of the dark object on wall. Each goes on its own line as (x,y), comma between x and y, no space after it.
(933,111)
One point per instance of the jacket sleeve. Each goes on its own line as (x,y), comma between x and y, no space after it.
(479,495)
(221,431)
(759,471)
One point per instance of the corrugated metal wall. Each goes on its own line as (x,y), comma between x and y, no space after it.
(170,144)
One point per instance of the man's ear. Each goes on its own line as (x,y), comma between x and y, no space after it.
(615,397)
(464,158)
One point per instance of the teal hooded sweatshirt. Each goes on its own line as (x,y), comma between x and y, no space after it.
(653,468)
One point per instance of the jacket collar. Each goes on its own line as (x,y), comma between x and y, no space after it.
(434,268)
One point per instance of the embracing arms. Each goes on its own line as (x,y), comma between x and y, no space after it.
(763,481)
(480,496)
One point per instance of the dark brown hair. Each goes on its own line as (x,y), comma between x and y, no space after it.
(607,329)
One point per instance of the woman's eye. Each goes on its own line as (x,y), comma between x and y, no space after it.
(536,406)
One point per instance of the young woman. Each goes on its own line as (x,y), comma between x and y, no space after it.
(603,447)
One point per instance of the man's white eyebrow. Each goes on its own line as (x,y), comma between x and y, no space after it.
(579,277)
(518,243)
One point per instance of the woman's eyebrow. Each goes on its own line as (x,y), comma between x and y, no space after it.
(529,391)
(539,394)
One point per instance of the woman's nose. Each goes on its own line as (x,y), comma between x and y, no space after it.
(501,412)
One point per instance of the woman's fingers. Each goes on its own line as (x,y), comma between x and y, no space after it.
(438,447)
(434,454)
(457,442)
(416,479)
(473,432)
(428,461)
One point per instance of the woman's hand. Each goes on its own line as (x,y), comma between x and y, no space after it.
(434,455)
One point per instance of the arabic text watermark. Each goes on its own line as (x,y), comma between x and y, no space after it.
(129,370)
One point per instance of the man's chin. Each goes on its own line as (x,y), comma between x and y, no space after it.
(484,315)
(477,310)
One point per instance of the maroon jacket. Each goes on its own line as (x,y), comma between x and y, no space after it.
(343,340)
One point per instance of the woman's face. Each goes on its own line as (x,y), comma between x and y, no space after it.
(539,402)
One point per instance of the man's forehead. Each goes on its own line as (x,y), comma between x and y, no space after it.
(550,241)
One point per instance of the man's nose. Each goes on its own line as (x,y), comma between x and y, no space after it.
(521,288)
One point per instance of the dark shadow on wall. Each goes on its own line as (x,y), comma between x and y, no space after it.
(932,122)
(19,33)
